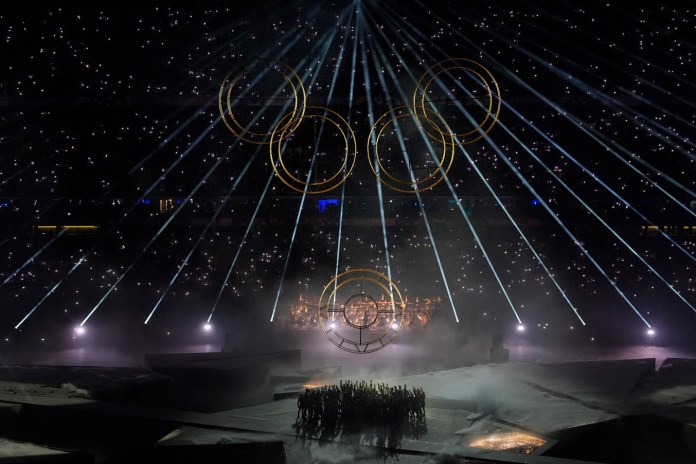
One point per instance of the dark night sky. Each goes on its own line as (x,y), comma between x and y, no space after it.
(105,112)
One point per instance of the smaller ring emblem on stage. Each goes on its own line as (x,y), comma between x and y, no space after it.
(361,311)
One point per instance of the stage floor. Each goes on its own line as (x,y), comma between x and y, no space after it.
(544,400)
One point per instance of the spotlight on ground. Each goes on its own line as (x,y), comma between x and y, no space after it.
(80,330)
(651,332)
(520,328)
(207,327)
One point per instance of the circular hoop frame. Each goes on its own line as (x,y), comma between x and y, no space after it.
(443,166)
(482,73)
(226,107)
(276,151)
(394,314)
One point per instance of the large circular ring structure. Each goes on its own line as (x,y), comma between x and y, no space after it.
(233,92)
(434,73)
(331,180)
(435,168)
(353,319)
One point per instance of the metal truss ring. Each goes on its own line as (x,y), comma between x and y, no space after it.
(231,91)
(482,73)
(437,171)
(349,153)
(361,323)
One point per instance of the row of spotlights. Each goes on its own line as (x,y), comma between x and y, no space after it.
(651,332)
(80,330)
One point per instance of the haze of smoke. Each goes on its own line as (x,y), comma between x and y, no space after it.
(75,391)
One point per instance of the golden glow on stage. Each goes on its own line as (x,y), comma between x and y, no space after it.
(508,441)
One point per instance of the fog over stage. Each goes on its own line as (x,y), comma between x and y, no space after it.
(544,406)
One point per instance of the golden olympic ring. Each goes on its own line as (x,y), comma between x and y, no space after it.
(443,165)
(445,66)
(394,315)
(316,187)
(229,87)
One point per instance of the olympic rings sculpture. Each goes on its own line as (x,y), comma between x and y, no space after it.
(422,112)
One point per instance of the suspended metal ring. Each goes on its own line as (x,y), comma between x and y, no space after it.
(439,167)
(277,145)
(483,74)
(353,319)
(232,91)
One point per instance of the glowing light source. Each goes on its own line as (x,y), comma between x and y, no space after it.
(311,385)
(394,325)
(520,328)
(80,330)
(502,441)
(651,332)
(207,327)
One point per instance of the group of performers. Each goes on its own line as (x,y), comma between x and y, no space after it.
(357,407)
